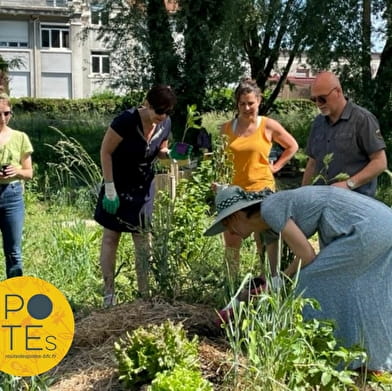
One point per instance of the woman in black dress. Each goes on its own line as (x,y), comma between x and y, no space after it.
(131,144)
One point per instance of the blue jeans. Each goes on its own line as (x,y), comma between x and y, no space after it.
(11,226)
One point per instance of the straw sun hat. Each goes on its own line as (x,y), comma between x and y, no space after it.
(231,199)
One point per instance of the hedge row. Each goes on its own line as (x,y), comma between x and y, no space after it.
(56,107)
(217,100)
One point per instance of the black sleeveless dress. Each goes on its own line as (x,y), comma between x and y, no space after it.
(133,174)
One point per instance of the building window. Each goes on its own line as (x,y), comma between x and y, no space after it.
(302,72)
(98,15)
(100,63)
(14,34)
(13,44)
(54,36)
(56,3)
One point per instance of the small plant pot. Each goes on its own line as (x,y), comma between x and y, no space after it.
(182,148)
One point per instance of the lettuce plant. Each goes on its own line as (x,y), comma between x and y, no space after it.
(147,351)
(180,379)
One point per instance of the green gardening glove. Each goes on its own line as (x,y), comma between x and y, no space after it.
(110,201)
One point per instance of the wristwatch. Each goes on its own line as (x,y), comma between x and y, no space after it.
(351,184)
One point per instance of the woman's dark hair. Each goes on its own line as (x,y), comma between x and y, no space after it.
(161,97)
(247,86)
(251,210)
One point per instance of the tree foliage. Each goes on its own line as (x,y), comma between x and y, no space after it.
(342,41)
(161,47)
(5,65)
(151,45)
(208,43)
(266,30)
(335,35)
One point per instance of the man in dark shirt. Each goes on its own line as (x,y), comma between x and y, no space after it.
(349,132)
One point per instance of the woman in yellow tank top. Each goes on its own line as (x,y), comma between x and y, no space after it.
(250,138)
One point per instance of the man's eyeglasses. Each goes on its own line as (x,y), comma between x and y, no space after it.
(321,98)
(163,111)
(6,113)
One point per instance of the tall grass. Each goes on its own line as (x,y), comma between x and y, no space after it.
(17,383)
(74,169)
(213,121)
(275,349)
(384,191)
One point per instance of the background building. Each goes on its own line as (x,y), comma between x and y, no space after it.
(301,76)
(55,62)
(46,36)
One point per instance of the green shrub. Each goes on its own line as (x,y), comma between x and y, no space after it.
(145,352)
(285,106)
(180,379)
(219,99)
(297,120)
(183,263)
(103,103)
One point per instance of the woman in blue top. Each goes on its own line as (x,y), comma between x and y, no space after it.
(351,275)
(130,146)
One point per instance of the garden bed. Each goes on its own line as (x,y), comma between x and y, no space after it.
(90,364)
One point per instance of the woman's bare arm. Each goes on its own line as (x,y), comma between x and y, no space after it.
(278,134)
(299,244)
(110,142)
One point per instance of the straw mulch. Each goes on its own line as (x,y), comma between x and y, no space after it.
(90,363)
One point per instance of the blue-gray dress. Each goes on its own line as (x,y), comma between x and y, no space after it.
(351,277)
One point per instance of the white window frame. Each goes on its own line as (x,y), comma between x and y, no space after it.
(13,44)
(51,28)
(102,16)
(101,56)
(57,3)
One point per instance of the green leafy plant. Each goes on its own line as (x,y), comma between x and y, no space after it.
(192,119)
(322,174)
(180,379)
(145,352)
(180,251)
(182,150)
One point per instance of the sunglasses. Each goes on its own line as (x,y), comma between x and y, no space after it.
(321,98)
(163,111)
(6,113)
